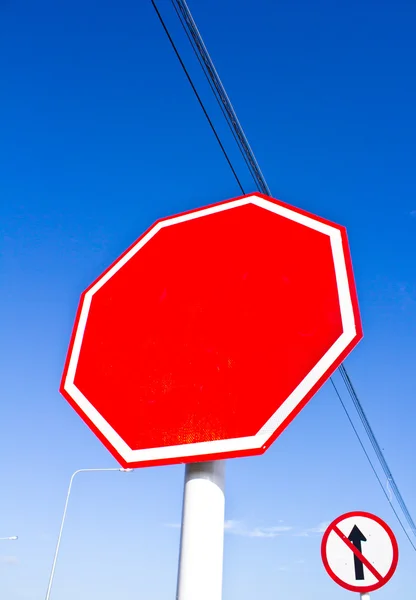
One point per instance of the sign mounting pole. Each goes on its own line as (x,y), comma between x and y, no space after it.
(202,533)
(364,596)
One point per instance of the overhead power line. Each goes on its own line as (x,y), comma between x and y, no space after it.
(384,490)
(191,83)
(229,113)
(219,92)
(376,448)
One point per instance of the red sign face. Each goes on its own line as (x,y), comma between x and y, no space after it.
(212,331)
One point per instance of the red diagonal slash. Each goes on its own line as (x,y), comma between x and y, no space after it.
(358,554)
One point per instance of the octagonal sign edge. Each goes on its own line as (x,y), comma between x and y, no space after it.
(233,447)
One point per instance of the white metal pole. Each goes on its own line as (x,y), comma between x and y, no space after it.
(364,596)
(202,534)
(58,543)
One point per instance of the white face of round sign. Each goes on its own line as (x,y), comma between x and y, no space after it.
(359,552)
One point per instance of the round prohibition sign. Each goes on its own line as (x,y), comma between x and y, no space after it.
(359,552)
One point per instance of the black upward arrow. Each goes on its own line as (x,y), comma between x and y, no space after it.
(356,537)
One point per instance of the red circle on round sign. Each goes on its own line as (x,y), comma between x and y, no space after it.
(359,516)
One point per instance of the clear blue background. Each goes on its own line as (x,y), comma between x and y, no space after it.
(100,136)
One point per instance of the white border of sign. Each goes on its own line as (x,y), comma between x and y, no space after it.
(237,444)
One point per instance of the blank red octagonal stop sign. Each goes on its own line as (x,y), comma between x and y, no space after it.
(212,331)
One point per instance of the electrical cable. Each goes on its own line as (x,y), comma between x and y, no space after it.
(214,90)
(376,447)
(225,104)
(222,96)
(371,463)
(197,95)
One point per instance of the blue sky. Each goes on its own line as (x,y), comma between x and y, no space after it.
(101,136)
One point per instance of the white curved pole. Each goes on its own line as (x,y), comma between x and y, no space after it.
(48,592)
